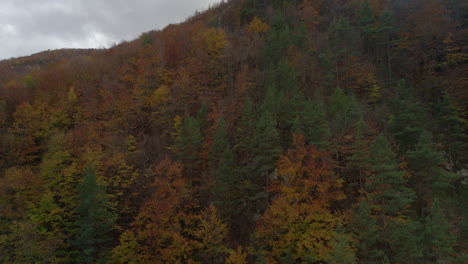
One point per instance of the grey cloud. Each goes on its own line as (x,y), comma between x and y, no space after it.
(29,26)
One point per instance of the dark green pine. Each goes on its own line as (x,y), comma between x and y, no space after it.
(387,187)
(94,219)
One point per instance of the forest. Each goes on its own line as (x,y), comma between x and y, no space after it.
(280,131)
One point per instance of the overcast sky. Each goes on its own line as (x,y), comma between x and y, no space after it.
(30,26)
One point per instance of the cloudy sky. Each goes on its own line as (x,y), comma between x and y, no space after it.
(30,26)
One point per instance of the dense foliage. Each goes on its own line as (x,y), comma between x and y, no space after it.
(286,131)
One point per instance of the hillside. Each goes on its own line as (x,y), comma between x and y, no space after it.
(281,131)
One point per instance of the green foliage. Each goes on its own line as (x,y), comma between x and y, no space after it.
(430,176)
(449,130)
(130,109)
(405,241)
(386,187)
(94,219)
(343,252)
(189,141)
(407,121)
(344,112)
(313,124)
(342,45)
(220,142)
(438,238)
(367,235)
(227,191)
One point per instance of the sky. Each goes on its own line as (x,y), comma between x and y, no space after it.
(30,26)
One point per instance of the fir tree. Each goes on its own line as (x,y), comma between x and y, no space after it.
(265,150)
(342,252)
(220,142)
(387,187)
(367,235)
(438,238)
(94,221)
(408,119)
(189,142)
(312,123)
(450,132)
(429,174)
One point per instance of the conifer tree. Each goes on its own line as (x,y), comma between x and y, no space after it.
(367,235)
(313,124)
(438,238)
(342,252)
(430,177)
(94,221)
(189,141)
(220,142)
(344,112)
(227,191)
(450,132)
(265,148)
(386,186)
(407,122)
(405,238)
(366,25)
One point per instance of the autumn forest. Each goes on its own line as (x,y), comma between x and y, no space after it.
(280,131)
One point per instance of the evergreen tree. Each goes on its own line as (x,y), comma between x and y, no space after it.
(265,150)
(344,112)
(220,142)
(342,44)
(430,177)
(367,235)
(312,123)
(366,25)
(94,221)
(227,191)
(202,118)
(405,237)
(438,238)
(449,130)
(189,141)
(360,151)
(246,128)
(387,187)
(407,122)
(342,252)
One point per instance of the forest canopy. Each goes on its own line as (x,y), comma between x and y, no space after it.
(285,131)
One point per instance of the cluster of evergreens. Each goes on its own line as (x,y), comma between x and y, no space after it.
(285,131)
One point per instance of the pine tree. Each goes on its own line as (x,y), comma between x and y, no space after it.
(220,142)
(449,131)
(366,25)
(227,191)
(407,122)
(313,124)
(189,141)
(360,155)
(342,252)
(438,239)
(430,177)
(386,187)
(202,118)
(405,238)
(265,148)
(344,112)
(367,235)
(94,221)
(246,128)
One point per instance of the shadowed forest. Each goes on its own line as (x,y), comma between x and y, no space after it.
(281,131)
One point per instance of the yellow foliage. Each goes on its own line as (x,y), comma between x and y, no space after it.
(237,257)
(215,41)
(159,97)
(257,26)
